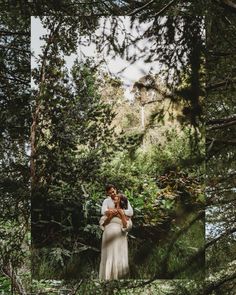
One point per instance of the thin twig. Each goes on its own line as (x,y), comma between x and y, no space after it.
(76,288)
(164,8)
(140,8)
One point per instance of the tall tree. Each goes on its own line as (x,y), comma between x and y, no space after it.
(70,131)
(220,139)
(15,122)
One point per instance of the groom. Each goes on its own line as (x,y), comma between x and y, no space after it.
(108,204)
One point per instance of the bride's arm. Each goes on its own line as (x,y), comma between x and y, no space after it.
(110,214)
(122,216)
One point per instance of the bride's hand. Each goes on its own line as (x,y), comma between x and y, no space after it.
(121,212)
(113,211)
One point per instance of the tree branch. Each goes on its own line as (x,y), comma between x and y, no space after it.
(17,284)
(223,276)
(36,113)
(140,8)
(9,33)
(15,79)
(230,4)
(221,84)
(223,141)
(220,120)
(76,288)
(200,215)
(221,54)
(225,234)
(164,8)
(223,125)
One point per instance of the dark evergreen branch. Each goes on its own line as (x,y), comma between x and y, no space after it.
(212,286)
(225,234)
(9,33)
(214,202)
(16,80)
(184,229)
(14,48)
(221,53)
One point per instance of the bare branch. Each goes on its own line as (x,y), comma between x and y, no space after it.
(76,288)
(223,141)
(164,8)
(221,120)
(221,84)
(230,4)
(141,8)
(221,126)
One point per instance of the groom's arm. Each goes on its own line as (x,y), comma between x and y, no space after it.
(104,207)
(129,211)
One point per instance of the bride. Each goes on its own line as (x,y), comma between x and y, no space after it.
(114,254)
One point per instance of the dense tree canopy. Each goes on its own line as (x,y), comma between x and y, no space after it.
(220,124)
(64,132)
(15,122)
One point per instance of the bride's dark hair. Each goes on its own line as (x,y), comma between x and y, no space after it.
(123,202)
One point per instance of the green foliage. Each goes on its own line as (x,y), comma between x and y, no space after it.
(220,176)
(5,284)
(73,149)
(15,120)
(162,199)
(73,132)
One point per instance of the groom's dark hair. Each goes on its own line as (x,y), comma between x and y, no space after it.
(109,186)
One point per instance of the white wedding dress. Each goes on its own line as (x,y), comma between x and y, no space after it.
(114,253)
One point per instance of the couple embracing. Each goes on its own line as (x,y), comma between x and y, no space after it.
(115,222)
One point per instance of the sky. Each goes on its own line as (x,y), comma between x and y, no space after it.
(131,72)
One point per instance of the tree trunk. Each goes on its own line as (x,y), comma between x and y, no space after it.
(16,282)
(142,117)
(35,114)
